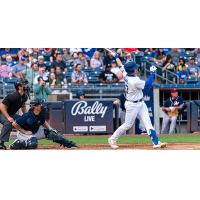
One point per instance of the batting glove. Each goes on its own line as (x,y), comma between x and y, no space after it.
(153,69)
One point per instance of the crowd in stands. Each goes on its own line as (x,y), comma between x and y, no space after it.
(57,67)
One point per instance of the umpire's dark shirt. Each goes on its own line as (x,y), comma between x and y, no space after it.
(31,122)
(14,102)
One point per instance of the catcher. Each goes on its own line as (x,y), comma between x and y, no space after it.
(171,109)
(32,127)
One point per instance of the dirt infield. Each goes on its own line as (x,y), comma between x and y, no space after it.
(176,146)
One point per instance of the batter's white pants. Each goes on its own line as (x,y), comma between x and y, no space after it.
(134,110)
(168,124)
(39,135)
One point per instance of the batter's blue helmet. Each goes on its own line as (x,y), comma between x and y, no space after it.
(130,67)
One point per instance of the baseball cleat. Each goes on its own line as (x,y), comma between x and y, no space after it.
(71,145)
(112,143)
(160,145)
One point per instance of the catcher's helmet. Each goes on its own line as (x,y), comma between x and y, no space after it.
(38,102)
(22,83)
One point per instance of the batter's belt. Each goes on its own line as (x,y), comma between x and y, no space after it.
(140,100)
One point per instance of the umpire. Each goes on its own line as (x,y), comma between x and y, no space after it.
(8,109)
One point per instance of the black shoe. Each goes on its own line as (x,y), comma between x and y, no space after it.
(2,146)
(71,145)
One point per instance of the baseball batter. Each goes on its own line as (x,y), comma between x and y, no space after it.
(134,105)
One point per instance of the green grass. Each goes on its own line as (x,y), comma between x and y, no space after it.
(144,139)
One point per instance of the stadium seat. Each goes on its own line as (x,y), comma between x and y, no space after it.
(10,80)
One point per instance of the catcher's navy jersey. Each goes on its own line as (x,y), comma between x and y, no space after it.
(30,122)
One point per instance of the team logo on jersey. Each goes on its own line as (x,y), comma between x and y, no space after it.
(176,103)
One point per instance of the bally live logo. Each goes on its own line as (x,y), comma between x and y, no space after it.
(82,108)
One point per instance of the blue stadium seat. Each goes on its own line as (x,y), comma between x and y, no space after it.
(10,80)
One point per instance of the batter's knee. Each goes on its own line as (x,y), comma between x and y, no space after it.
(127,126)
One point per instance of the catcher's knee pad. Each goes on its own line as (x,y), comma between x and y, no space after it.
(17,144)
(32,143)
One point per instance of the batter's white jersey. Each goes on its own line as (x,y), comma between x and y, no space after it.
(134,86)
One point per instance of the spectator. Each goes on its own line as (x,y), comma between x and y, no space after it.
(9,61)
(60,78)
(192,62)
(81,59)
(80,95)
(19,70)
(107,76)
(171,109)
(96,61)
(183,75)
(159,56)
(66,57)
(108,58)
(175,54)
(41,73)
(32,72)
(150,51)
(181,63)
(52,80)
(197,52)
(79,76)
(5,71)
(40,60)
(23,53)
(8,52)
(116,70)
(128,57)
(58,62)
(33,54)
(167,67)
(53,52)
(41,90)
(121,56)
(194,71)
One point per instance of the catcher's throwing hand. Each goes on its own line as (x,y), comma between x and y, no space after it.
(153,69)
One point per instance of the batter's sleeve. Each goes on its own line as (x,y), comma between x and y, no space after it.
(149,81)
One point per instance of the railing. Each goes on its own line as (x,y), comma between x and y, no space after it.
(163,76)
